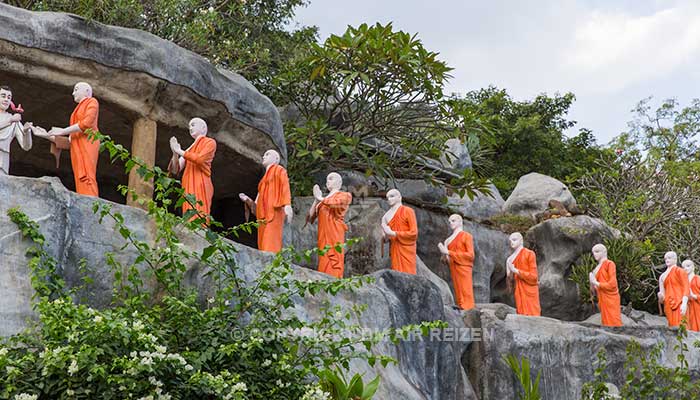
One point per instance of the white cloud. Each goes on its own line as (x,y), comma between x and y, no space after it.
(615,49)
(611,54)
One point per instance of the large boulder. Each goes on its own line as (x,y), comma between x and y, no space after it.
(559,243)
(563,352)
(134,75)
(533,192)
(427,369)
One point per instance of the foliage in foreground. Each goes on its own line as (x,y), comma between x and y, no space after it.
(521,369)
(645,377)
(161,339)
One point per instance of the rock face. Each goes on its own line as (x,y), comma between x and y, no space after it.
(559,243)
(134,75)
(533,193)
(426,369)
(491,246)
(563,352)
(457,155)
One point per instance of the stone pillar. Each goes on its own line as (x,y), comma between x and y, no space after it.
(143,146)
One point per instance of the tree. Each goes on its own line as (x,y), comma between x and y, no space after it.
(528,136)
(371,100)
(250,37)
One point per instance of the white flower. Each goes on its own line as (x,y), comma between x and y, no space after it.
(25,396)
(73,368)
(211,9)
(155,382)
(138,325)
(210,300)
(97,319)
(315,393)
(161,349)
(70,392)
(280,383)
(188,367)
(267,363)
(239,387)
(3,352)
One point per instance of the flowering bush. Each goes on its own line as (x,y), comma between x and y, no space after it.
(173,345)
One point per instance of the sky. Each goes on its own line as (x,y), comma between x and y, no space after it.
(610,54)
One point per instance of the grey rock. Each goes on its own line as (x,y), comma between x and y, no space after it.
(533,192)
(558,244)
(456,156)
(562,351)
(490,251)
(427,369)
(482,207)
(134,74)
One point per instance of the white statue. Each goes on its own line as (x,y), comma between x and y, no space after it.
(673,290)
(272,204)
(11,128)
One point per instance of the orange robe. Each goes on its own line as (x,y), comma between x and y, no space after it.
(403,245)
(461,252)
(608,294)
(273,195)
(527,292)
(331,231)
(675,287)
(694,306)
(196,179)
(83,151)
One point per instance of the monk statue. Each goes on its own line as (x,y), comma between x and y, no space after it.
(694,294)
(673,290)
(11,128)
(330,211)
(83,151)
(195,166)
(272,204)
(521,266)
(400,229)
(603,280)
(458,253)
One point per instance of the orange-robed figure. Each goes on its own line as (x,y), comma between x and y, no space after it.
(273,203)
(693,314)
(195,165)
(522,267)
(674,290)
(458,249)
(399,226)
(83,151)
(694,305)
(603,280)
(330,211)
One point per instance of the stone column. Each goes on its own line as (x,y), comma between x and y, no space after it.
(143,146)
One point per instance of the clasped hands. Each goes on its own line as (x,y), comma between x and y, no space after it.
(175,147)
(593,280)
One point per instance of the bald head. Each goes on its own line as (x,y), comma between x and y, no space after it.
(81,91)
(515,240)
(197,127)
(671,258)
(334,181)
(271,157)
(688,266)
(600,252)
(456,221)
(393,197)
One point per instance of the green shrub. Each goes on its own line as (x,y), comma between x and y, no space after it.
(521,369)
(636,280)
